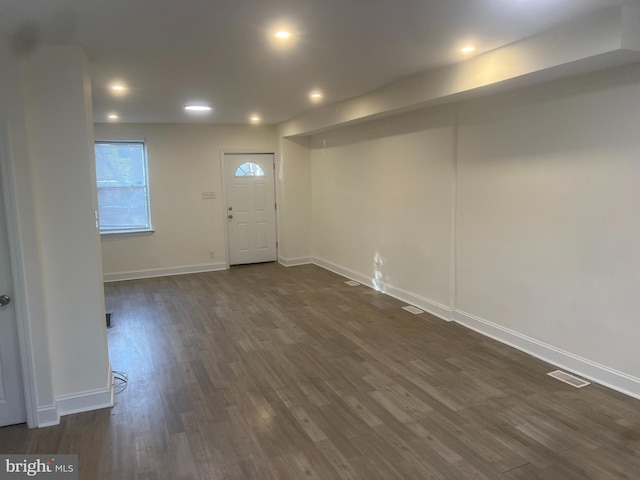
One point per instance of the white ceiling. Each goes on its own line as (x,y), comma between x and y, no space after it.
(222,51)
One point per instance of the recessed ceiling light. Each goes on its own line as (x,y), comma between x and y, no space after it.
(113,116)
(255,119)
(283,34)
(118,88)
(197,108)
(316,96)
(468,49)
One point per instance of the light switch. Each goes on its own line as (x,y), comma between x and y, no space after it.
(208,195)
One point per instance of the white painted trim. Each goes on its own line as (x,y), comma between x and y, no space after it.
(434,308)
(586,368)
(164,272)
(89,400)
(21,308)
(292,262)
(120,233)
(111,382)
(85,401)
(225,207)
(48,416)
(453,252)
(596,372)
(247,151)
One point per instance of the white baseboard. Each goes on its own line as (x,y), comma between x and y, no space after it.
(292,262)
(434,308)
(48,416)
(614,379)
(583,367)
(85,401)
(89,400)
(163,272)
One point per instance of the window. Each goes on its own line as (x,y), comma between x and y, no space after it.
(123,187)
(249,169)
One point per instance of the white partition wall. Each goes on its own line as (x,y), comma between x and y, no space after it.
(382,203)
(536,247)
(46,109)
(549,217)
(59,120)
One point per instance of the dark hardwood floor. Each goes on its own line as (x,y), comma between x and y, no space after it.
(268,373)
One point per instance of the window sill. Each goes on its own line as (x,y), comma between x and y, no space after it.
(126,232)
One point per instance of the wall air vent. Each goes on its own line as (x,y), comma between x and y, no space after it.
(569,379)
(412,309)
(352,283)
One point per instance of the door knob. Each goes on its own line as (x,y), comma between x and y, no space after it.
(4,300)
(230,217)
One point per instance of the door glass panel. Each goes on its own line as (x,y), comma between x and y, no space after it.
(249,169)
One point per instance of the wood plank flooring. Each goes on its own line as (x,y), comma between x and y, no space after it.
(268,373)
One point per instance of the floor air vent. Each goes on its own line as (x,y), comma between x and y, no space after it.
(412,309)
(352,283)
(569,379)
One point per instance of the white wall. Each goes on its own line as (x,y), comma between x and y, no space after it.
(184,161)
(549,215)
(60,135)
(294,202)
(382,201)
(546,217)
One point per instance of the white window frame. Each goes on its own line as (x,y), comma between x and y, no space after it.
(149,229)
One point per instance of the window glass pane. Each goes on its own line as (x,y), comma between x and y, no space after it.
(123,208)
(249,169)
(120,164)
(123,196)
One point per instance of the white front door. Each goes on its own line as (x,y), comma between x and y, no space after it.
(12,407)
(251,207)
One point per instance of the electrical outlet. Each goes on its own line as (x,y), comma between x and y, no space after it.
(212,255)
